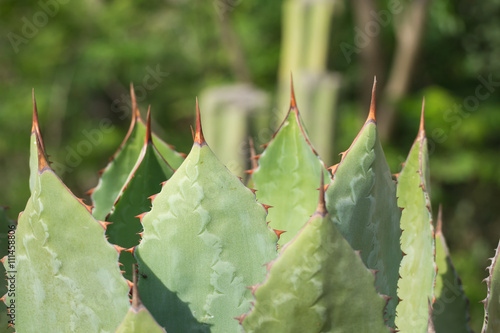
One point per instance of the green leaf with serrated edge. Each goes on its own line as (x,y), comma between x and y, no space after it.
(418,269)
(491,322)
(204,241)
(116,173)
(144,181)
(138,318)
(288,175)
(7,233)
(451,307)
(317,284)
(362,204)
(67,277)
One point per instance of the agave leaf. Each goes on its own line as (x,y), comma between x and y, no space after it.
(144,181)
(492,301)
(138,318)
(288,175)
(66,273)
(7,229)
(117,172)
(362,204)
(451,308)
(204,241)
(418,268)
(317,284)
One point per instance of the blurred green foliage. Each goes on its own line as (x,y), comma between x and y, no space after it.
(81,55)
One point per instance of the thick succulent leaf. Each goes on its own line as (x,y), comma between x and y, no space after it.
(418,268)
(317,284)
(362,204)
(204,241)
(7,232)
(492,301)
(287,177)
(117,172)
(144,181)
(451,308)
(67,276)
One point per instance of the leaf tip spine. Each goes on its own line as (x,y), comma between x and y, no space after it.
(135,110)
(149,136)
(321,209)
(293,103)
(136,300)
(439,223)
(371,114)
(198,135)
(422,120)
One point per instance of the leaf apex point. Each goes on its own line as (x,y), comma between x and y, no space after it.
(439,224)
(293,103)
(371,114)
(149,136)
(198,135)
(422,119)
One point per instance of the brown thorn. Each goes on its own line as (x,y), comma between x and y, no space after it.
(321,203)
(293,104)
(104,224)
(439,224)
(42,159)
(192,131)
(149,137)
(36,125)
(253,288)
(135,110)
(422,118)
(371,115)
(136,301)
(240,318)
(279,232)
(198,136)
(253,159)
(118,248)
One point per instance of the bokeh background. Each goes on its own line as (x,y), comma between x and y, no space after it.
(236,56)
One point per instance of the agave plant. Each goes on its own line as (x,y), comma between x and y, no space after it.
(214,255)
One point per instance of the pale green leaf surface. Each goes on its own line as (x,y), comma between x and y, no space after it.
(362,204)
(317,284)
(417,241)
(450,309)
(67,273)
(205,240)
(287,178)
